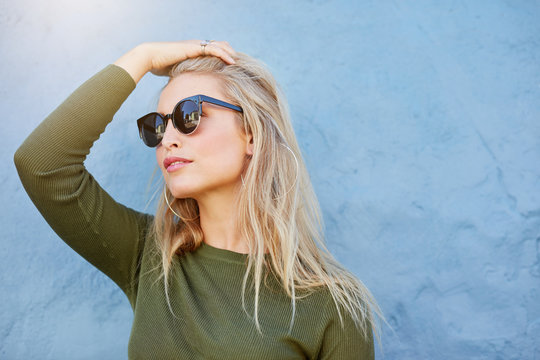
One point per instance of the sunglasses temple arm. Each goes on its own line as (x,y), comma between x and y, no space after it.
(220,103)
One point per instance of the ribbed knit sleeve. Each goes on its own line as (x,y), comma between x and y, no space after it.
(51,167)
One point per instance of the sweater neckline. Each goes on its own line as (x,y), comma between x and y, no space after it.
(215,253)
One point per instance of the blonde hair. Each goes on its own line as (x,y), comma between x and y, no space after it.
(278,209)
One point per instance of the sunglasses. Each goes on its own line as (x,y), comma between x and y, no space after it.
(185,117)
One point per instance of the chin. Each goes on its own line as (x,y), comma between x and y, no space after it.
(183,190)
(180,193)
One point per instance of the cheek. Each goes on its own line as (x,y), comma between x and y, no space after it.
(160,156)
(225,150)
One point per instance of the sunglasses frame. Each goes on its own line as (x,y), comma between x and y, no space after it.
(198,100)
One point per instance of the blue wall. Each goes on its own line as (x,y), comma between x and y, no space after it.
(429,176)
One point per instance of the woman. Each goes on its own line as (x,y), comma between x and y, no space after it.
(233,264)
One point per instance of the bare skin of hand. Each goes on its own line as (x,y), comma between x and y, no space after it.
(159,57)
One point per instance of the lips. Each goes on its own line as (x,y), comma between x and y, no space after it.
(175,162)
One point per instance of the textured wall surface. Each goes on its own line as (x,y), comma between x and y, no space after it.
(419,122)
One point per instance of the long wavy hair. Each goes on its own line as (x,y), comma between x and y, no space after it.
(278,209)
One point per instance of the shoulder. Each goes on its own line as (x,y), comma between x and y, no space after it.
(344,337)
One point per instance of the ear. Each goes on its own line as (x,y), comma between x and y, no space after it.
(249,145)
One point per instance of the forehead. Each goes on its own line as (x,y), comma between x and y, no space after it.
(187,85)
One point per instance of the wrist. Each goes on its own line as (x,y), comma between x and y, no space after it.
(136,62)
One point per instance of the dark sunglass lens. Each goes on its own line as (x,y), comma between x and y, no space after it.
(152,129)
(186,117)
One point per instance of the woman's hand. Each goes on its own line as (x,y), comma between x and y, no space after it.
(159,57)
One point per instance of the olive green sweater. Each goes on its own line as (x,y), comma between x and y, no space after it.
(205,292)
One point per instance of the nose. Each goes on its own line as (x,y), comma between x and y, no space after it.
(171,136)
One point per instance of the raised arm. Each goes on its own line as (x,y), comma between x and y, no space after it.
(51,168)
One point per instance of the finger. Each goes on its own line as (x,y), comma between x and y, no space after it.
(215,50)
(226,46)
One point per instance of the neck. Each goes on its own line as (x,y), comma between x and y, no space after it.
(218,219)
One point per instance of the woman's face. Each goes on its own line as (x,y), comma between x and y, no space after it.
(215,152)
